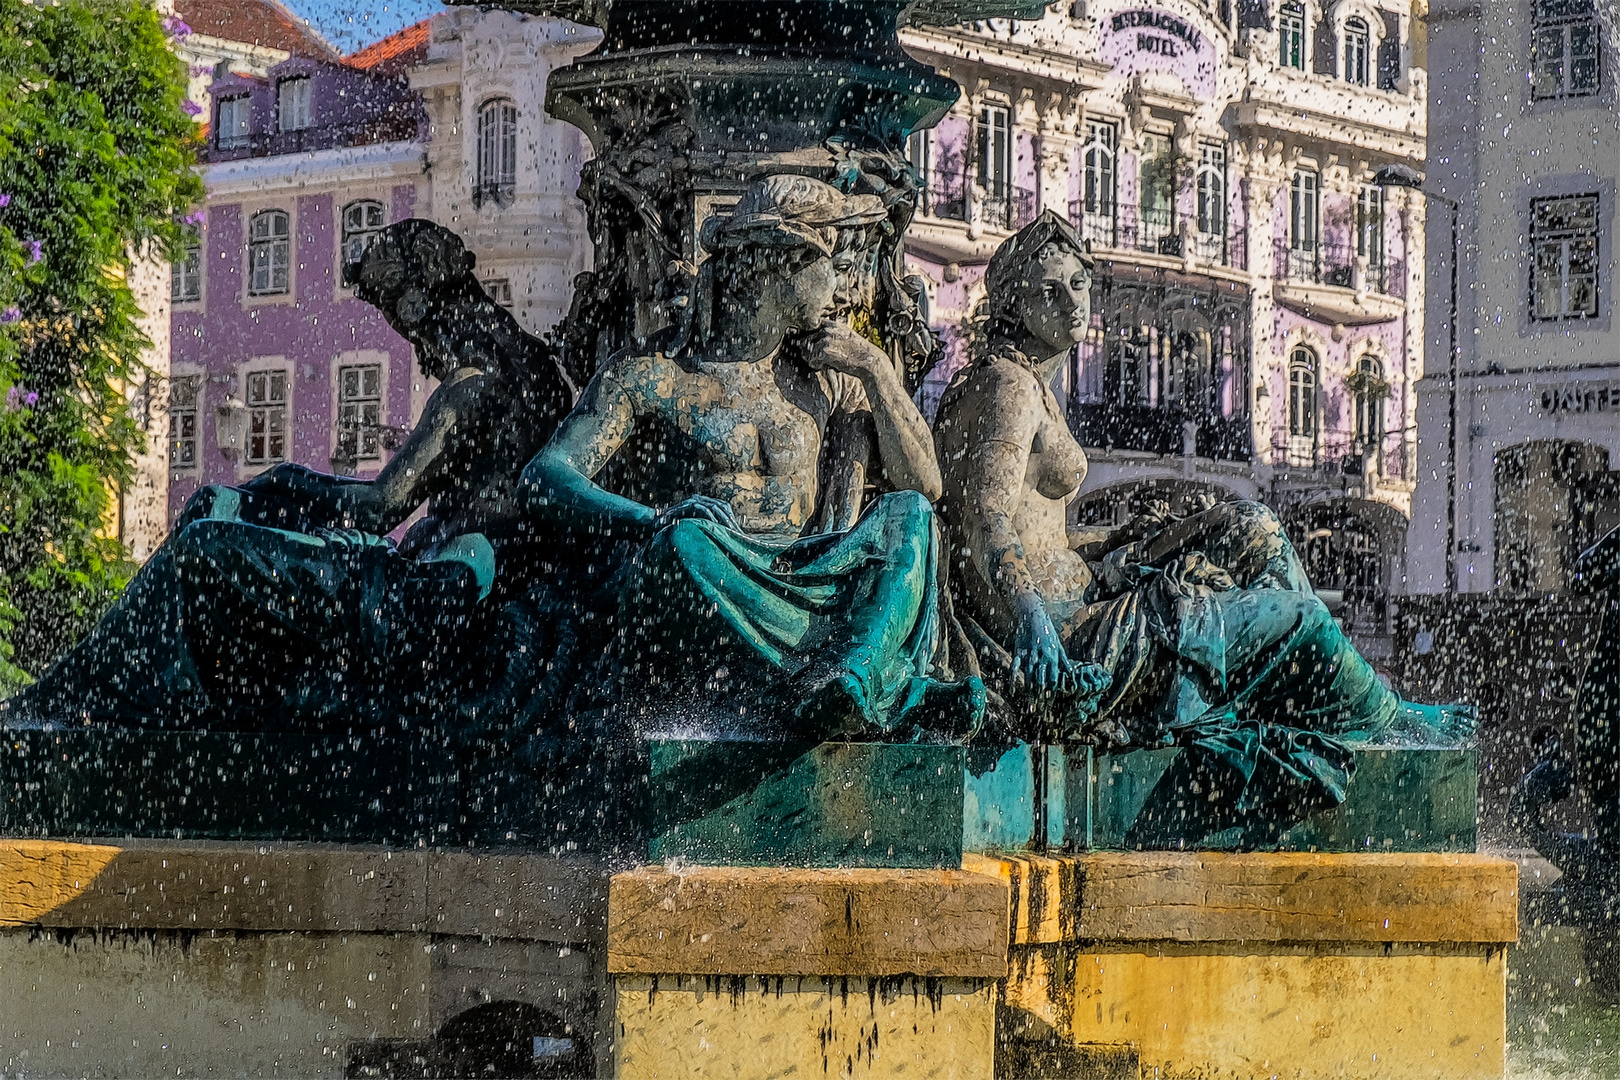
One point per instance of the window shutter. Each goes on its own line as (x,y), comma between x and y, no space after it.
(1389,52)
(1324,49)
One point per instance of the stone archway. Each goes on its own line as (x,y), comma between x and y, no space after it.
(1352,549)
(1554,498)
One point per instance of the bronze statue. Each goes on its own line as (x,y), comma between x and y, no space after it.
(738,613)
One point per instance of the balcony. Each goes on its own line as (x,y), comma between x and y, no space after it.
(1156,232)
(960,196)
(1331,283)
(1159,429)
(1337,454)
(960,219)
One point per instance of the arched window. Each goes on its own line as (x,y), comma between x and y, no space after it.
(1357,51)
(1302,403)
(269,253)
(1369,391)
(362,221)
(497,152)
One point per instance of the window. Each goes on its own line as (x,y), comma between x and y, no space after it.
(1565,49)
(184,391)
(185,276)
(1156,189)
(500,291)
(1212,188)
(269,253)
(1369,390)
(1304,225)
(231,130)
(497,152)
(267,417)
(362,222)
(1370,233)
(360,412)
(1291,36)
(1564,257)
(1357,51)
(920,153)
(995,150)
(1302,407)
(1102,138)
(292,102)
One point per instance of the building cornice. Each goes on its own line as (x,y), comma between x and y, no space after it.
(344,164)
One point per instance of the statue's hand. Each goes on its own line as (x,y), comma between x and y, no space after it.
(838,348)
(701,507)
(1039,661)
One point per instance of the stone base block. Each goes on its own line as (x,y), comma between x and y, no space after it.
(767,972)
(722,802)
(781,1026)
(1258,965)
(1399,799)
(168,958)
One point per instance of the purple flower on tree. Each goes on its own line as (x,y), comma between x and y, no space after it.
(191,108)
(196,217)
(175,26)
(11,314)
(5,200)
(36,251)
(18,397)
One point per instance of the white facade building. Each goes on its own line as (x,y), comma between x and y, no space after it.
(1527,141)
(503,171)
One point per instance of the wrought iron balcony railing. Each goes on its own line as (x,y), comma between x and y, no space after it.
(1337,453)
(960,196)
(1336,262)
(1119,227)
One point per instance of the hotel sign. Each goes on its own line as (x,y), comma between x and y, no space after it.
(1149,40)
(1579,397)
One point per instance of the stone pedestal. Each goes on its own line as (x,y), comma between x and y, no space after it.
(806,804)
(165,958)
(758,972)
(1257,965)
(1399,799)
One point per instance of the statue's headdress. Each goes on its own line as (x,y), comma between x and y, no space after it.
(782,212)
(786,211)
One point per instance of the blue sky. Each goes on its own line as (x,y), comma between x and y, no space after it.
(354,24)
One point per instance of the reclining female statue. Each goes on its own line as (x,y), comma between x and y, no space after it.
(279,604)
(736,615)
(1200,631)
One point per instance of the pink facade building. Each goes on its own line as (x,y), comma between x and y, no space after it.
(272,358)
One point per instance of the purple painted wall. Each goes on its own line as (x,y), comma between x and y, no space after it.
(317,324)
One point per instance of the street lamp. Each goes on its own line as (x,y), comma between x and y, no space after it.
(1405,176)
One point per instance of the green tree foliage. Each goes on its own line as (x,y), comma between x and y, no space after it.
(96,149)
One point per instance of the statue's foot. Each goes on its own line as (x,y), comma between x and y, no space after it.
(1441,725)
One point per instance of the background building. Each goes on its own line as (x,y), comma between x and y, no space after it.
(1537,390)
(272,358)
(308,156)
(1262,295)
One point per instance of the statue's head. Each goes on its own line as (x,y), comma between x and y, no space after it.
(776,249)
(1039,286)
(414,273)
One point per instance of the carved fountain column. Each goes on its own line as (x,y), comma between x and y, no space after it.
(686,101)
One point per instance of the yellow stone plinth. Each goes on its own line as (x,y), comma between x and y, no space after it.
(1259,965)
(764,972)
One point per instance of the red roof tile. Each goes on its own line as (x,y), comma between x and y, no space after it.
(393,54)
(256,22)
